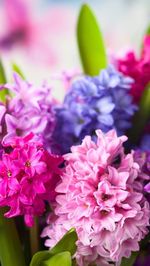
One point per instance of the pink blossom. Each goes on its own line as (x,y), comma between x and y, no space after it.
(67,77)
(28,176)
(23,29)
(137,68)
(35,31)
(30,110)
(98,196)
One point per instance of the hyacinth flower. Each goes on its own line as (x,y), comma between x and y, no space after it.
(67,77)
(145,142)
(94,102)
(143,158)
(28,176)
(31,109)
(137,68)
(101,196)
(143,261)
(24,30)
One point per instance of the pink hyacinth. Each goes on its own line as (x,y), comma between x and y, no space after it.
(31,109)
(98,196)
(24,29)
(137,68)
(28,176)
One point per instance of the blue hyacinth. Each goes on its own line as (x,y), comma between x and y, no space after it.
(91,103)
(145,142)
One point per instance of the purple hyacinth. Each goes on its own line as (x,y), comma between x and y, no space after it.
(145,142)
(94,102)
(143,159)
(31,109)
(143,259)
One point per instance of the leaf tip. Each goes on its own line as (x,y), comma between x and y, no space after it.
(84,9)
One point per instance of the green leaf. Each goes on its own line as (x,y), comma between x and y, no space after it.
(3,92)
(40,257)
(147,30)
(90,42)
(17,69)
(60,259)
(67,243)
(45,258)
(2,74)
(130,261)
(141,117)
(11,253)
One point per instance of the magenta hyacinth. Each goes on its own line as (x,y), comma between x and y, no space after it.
(98,196)
(137,68)
(28,176)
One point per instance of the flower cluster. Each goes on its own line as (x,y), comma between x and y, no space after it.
(30,110)
(68,161)
(91,103)
(145,142)
(143,159)
(99,196)
(137,68)
(28,175)
(3,130)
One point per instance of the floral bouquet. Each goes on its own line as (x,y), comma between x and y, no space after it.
(75,175)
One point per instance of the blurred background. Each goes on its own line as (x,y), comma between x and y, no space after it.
(40,35)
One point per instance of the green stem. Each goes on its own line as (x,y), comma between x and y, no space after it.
(34,237)
(141,118)
(17,69)
(3,80)
(11,253)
